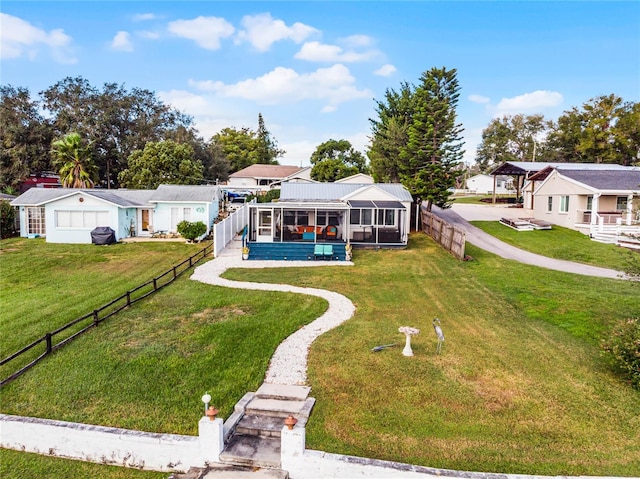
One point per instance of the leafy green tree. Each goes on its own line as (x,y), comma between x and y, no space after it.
(627,133)
(165,162)
(605,130)
(336,159)
(116,121)
(512,138)
(73,162)
(239,147)
(25,137)
(267,148)
(434,146)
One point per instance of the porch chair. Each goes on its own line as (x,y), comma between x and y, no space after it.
(318,251)
(328,251)
(331,232)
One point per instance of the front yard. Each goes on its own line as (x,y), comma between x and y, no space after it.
(520,386)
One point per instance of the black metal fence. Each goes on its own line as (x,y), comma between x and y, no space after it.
(54,340)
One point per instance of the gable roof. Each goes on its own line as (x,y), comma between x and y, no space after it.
(186,193)
(606,180)
(266,171)
(122,197)
(323,192)
(526,167)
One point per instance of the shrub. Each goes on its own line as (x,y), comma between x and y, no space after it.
(623,349)
(7,219)
(190,230)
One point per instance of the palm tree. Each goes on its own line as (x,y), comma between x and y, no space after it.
(74,163)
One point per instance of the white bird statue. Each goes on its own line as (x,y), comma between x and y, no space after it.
(439,334)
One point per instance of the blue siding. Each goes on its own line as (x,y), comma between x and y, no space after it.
(292,251)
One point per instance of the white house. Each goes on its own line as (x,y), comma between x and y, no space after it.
(585,197)
(67,215)
(358,178)
(484,184)
(259,178)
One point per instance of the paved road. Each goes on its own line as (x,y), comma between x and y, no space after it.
(460,215)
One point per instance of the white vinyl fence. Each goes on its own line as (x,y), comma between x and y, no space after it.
(228,228)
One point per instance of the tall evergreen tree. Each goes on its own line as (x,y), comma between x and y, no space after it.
(266,146)
(434,146)
(389,134)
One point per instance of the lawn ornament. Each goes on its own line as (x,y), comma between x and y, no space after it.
(439,334)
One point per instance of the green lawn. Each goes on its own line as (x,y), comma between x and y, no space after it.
(477,199)
(561,243)
(520,386)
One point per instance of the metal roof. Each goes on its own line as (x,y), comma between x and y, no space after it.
(377,204)
(186,193)
(616,180)
(526,167)
(123,197)
(321,192)
(39,196)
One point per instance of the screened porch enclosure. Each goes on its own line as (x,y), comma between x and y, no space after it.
(357,222)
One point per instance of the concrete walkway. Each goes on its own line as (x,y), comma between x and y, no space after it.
(289,362)
(460,215)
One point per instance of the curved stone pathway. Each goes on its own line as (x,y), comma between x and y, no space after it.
(289,363)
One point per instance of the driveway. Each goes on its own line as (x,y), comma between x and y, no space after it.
(460,215)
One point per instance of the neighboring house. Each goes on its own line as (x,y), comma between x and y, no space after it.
(484,184)
(259,178)
(303,175)
(358,178)
(375,215)
(67,215)
(42,179)
(590,198)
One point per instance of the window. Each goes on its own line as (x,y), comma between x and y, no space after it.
(296,218)
(362,216)
(178,215)
(386,217)
(81,219)
(35,220)
(621,203)
(589,203)
(324,218)
(564,204)
(549,204)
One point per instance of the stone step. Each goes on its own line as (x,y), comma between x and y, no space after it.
(217,471)
(282,391)
(259,425)
(280,408)
(255,451)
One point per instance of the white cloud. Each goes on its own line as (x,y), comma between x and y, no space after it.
(205,31)
(385,70)
(122,42)
(262,31)
(355,41)
(335,85)
(529,102)
(19,38)
(142,17)
(479,99)
(320,52)
(210,114)
(148,34)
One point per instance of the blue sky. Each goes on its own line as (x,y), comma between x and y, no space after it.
(313,69)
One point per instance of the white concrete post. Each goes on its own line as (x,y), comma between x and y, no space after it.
(292,447)
(211,438)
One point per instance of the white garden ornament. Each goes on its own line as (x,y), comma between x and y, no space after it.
(408,331)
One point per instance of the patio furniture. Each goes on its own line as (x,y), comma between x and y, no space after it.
(331,232)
